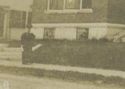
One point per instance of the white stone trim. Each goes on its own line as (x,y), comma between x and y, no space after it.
(48,6)
(81,5)
(6,30)
(64,4)
(78,25)
(70,11)
(68,24)
(26,20)
(116,25)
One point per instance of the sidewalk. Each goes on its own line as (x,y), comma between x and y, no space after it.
(103,72)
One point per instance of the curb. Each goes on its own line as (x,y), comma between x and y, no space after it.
(63,72)
(103,72)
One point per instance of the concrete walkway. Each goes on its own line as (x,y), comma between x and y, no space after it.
(103,72)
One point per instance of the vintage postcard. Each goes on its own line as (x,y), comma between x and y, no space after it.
(62,44)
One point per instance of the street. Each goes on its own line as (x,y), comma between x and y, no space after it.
(21,82)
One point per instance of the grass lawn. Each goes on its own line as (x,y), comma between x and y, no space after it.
(97,54)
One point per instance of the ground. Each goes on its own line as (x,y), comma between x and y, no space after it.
(90,54)
(28,82)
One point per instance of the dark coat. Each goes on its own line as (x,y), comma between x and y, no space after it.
(27,41)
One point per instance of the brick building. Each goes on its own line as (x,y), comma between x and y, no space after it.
(78,19)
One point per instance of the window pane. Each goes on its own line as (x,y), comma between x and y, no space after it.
(56,4)
(49,33)
(82,33)
(86,3)
(72,4)
(17,19)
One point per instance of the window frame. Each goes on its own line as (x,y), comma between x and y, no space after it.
(18,19)
(21,21)
(65,10)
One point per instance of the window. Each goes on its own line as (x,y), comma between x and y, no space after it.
(82,33)
(56,4)
(72,4)
(49,33)
(69,4)
(19,19)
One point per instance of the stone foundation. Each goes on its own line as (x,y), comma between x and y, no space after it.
(69,31)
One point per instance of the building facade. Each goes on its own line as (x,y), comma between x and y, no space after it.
(13,23)
(78,19)
(14,16)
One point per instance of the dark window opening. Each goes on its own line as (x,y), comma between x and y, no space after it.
(19,19)
(49,33)
(82,33)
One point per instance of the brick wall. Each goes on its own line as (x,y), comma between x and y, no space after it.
(99,13)
(116,11)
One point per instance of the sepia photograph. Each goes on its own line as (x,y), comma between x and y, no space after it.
(62,44)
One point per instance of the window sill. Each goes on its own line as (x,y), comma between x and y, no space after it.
(69,11)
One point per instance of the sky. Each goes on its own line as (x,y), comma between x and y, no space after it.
(17,4)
